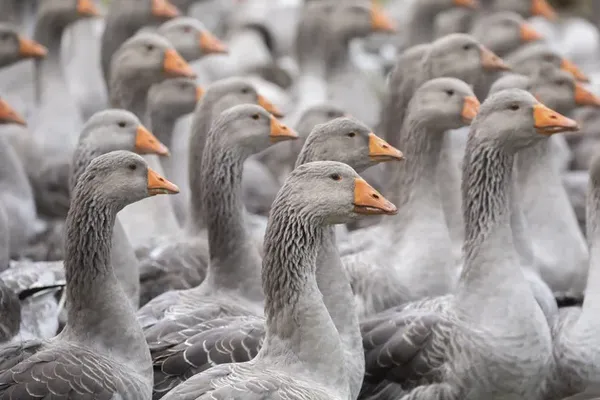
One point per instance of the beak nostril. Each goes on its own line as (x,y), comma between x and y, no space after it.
(385,146)
(375,196)
(161,179)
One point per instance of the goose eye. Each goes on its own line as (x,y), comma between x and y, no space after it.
(4,36)
(467,47)
(514,107)
(132,167)
(450,92)
(149,47)
(351,134)
(255,116)
(331,114)
(336,177)
(187,29)
(245,90)
(122,124)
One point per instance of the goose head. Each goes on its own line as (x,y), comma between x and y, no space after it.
(526,8)
(250,129)
(463,57)
(559,90)
(351,20)
(54,16)
(120,178)
(14,47)
(174,98)
(528,59)
(191,39)
(333,192)
(351,142)
(144,60)
(9,116)
(504,32)
(517,115)
(116,129)
(444,103)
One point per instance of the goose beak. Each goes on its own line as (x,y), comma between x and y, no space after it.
(368,201)
(147,143)
(199,93)
(31,49)
(584,97)
(382,151)
(380,21)
(175,66)
(211,45)
(164,9)
(529,34)
(9,116)
(541,8)
(472,4)
(280,132)
(549,122)
(87,8)
(491,61)
(159,185)
(470,109)
(270,107)
(574,70)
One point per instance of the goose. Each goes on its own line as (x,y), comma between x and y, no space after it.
(416,269)
(180,262)
(191,39)
(302,355)
(15,47)
(492,316)
(232,283)
(575,350)
(144,60)
(179,349)
(101,340)
(124,19)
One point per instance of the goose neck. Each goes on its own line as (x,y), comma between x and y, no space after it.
(82,156)
(298,325)
(130,97)
(491,268)
(234,259)
(97,303)
(591,304)
(421,25)
(49,77)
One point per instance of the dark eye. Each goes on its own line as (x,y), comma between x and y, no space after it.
(351,134)
(467,47)
(4,36)
(514,107)
(245,90)
(331,114)
(122,124)
(187,29)
(548,58)
(255,116)
(336,177)
(132,167)
(149,47)
(450,92)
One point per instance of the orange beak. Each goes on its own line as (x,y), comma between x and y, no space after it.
(147,143)
(270,107)
(280,132)
(472,4)
(380,21)
(175,66)
(543,9)
(159,185)
(31,49)
(584,97)
(529,34)
(9,116)
(549,122)
(574,70)
(87,8)
(210,44)
(382,151)
(164,9)
(368,201)
(199,93)
(470,109)
(491,61)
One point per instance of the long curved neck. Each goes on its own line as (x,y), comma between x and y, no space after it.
(393,113)
(491,270)
(421,25)
(414,182)
(297,320)
(518,224)
(129,97)
(591,303)
(99,314)
(49,76)
(119,28)
(162,126)
(234,259)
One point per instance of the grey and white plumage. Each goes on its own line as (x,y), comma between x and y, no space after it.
(493,320)
(101,352)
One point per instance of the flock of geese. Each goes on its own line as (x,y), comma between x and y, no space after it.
(166,233)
